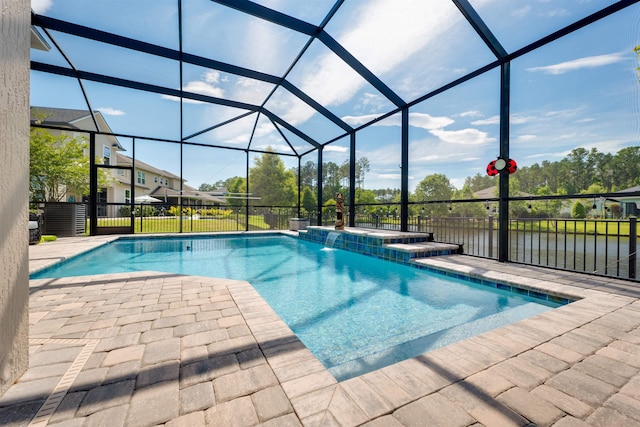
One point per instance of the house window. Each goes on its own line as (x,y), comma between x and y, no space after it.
(106,154)
(155,179)
(141,178)
(127,196)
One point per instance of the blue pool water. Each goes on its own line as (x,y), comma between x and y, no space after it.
(355,313)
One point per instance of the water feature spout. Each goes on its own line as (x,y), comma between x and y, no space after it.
(331,239)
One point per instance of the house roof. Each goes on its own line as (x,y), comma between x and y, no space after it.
(164,192)
(630,190)
(126,160)
(60,116)
(67,117)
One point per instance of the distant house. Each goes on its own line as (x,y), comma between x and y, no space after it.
(77,121)
(147,179)
(160,184)
(629,204)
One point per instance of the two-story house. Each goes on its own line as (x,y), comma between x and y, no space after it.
(147,179)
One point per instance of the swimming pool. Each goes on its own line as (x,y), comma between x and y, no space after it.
(355,313)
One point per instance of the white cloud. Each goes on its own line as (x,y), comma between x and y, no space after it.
(558,13)
(372,102)
(108,111)
(515,119)
(389,176)
(41,6)
(561,154)
(395,35)
(580,63)
(278,148)
(426,121)
(429,158)
(525,138)
(522,12)
(206,86)
(356,121)
(473,113)
(463,136)
(212,77)
(177,99)
(493,120)
(335,148)
(419,120)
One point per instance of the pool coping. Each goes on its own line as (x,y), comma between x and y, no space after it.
(552,295)
(479,364)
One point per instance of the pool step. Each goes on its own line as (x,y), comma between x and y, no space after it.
(394,246)
(426,248)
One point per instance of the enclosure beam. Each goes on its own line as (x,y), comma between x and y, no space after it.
(481,28)
(352,179)
(93,186)
(319,185)
(503,204)
(246,184)
(303,27)
(299,186)
(404,171)
(116,40)
(115,81)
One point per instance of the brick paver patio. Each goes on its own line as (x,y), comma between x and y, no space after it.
(149,348)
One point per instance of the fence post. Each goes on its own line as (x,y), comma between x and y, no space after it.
(490,236)
(633,233)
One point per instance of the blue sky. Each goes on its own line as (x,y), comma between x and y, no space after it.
(579,91)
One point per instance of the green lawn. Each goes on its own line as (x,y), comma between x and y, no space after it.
(602,227)
(170,224)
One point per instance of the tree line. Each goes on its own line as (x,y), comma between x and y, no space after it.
(581,171)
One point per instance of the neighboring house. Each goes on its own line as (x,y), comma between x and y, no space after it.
(78,121)
(630,205)
(148,180)
(160,184)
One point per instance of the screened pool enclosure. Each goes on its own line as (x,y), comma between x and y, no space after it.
(399,105)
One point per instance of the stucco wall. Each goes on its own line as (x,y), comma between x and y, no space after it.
(14,189)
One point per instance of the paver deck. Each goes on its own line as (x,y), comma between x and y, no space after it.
(150,348)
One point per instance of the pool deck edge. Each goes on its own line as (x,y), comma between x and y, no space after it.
(575,364)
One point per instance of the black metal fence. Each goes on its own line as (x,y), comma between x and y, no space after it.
(597,246)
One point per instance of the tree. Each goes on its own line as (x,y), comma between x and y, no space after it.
(627,167)
(57,165)
(362,167)
(270,181)
(237,185)
(435,187)
(547,208)
(469,210)
(220,184)
(309,175)
(344,173)
(578,211)
(582,168)
(309,200)
(479,182)
(330,181)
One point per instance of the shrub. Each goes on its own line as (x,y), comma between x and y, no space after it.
(578,211)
